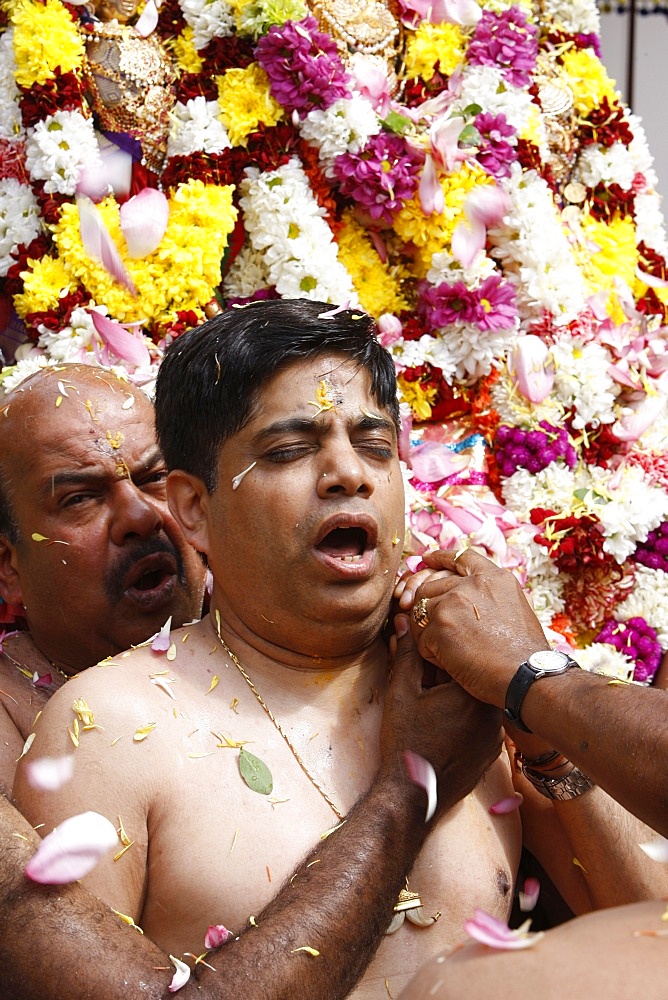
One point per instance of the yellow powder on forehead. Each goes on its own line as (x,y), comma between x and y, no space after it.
(324,399)
(115,438)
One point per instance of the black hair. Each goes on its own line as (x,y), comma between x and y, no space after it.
(210,378)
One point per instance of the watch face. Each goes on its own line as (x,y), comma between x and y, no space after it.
(549,660)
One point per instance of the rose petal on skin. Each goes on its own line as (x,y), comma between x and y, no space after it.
(50,773)
(495,934)
(181,976)
(42,681)
(162,639)
(215,936)
(72,849)
(144,220)
(507,805)
(528,897)
(422,773)
(657,849)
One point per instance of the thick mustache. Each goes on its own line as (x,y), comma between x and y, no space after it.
(114,581)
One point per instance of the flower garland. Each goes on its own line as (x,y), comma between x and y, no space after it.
(496,214)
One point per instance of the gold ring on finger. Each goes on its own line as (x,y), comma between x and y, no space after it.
(420,614)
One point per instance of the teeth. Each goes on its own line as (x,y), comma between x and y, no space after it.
(351,558)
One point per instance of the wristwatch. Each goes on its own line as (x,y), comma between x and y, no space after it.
(544,663)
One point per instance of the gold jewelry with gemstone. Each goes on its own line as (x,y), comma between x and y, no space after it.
(409,904)
(365,26)
(420,613)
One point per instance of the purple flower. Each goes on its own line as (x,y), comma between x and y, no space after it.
(381,177)
(303,65)
(489,307)
(505,40)
(495,155)
(637,640)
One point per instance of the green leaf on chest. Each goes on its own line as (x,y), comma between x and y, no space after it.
(255,773)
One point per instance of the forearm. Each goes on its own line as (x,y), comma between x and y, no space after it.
(617,735)
(339,903)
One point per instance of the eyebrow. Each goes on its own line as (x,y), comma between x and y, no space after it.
(80,478)
(303,425)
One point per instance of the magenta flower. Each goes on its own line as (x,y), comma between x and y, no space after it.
(381,177)
(303,65)
(505,40)
(489,307)
(495,154)
(637,640)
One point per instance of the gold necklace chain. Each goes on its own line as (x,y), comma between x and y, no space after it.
(235,660)
(409,904)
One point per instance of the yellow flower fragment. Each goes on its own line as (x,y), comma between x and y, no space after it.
(225,741)
(27,745)
(171,652)
(127,920)
(122,835)
(143,732)
(36,537)
(579,864)
(214,683)
(122,851)
(328,833)
(82,710)
(307,949)
(74,732)
(233,705)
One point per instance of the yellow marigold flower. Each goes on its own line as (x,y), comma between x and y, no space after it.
(434,46)
(534,129)
(615,255)
(185,53)
(43,285)
(420,398)
(245,101)
(433,233)
(587,79)
(181,273)
(45,38)
(376,284)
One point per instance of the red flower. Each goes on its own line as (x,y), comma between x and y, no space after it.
(193,85)
(63,92)
(605,126)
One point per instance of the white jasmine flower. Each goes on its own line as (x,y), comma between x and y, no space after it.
(552,487)
(22,369)
(10,114)
(445,267)
(468,352)
(648,600)
(486,86)
(606,165)
(59,147)
(649,221)
(642,158)
(284,222)
(535,253)
(19,219)
(574,16)
(514,408)
(602,658)
(194,127)
(247,274)
(208,19)
(634,509)
(582,381)
(345,126)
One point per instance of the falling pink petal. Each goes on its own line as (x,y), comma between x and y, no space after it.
(464,12)
(487,204)
(657,849)
(50,773)
(371,80)
(331,313)
(495,934)
(379,244)
(181,976)
(422,773)
(415,563)
(390,328)
(467,241)
(162,639)
(98,244)
(148,20)
(507,805)
(113,171)
(634,424)
(73,849)
(432,462)
(653,280)
(528,897)
(431,192)
(122,342)
(7,635)
(531,369)
(43,681)
(444,136)
(144,220)
(216,935)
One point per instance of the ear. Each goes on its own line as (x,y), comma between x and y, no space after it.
(10,582)
(189,502)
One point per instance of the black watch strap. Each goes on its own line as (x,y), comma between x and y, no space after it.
(517,689)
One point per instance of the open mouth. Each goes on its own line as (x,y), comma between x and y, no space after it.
(347,544)
(151,580)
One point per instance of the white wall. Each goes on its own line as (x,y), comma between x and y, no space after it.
(650,100)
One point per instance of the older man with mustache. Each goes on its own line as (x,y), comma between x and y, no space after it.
(88,546)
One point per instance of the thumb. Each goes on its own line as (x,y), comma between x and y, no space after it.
(405,659)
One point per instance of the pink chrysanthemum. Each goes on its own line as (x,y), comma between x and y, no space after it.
(303,65)
(381,177)
(492,306)
(507,41)
(495,154)
(637,640)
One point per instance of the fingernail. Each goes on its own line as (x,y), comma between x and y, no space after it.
(400,625)
(406,599)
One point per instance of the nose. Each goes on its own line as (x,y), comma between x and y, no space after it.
(134,514)
(343,472)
